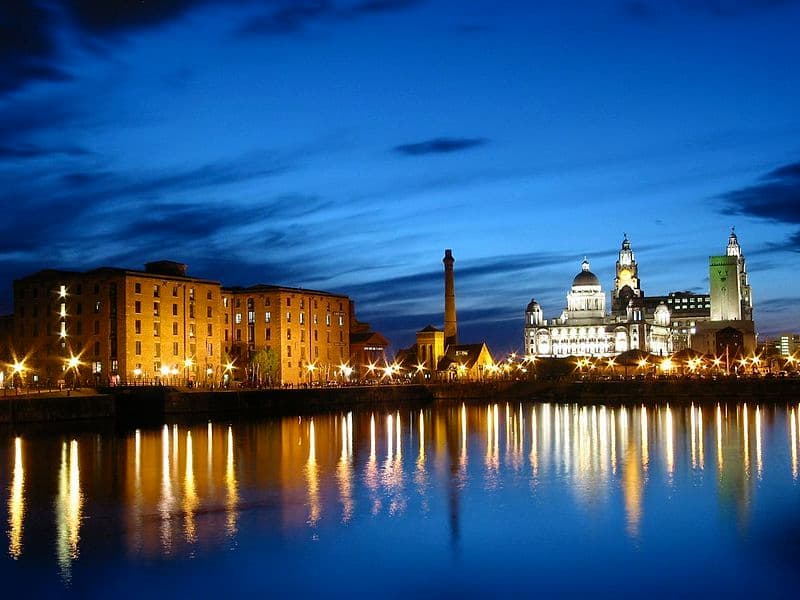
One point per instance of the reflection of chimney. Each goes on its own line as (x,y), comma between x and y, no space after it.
(450,324)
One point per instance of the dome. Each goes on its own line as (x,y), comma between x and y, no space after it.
(585,277)
(533,305)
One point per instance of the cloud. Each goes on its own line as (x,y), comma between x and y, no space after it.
(27,49)
(26,150)
(110,16)
(380,6)
(289,19)
(439,146)
(774,197)
(293,17)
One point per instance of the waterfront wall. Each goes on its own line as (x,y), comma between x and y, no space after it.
(49,408)
(140,405)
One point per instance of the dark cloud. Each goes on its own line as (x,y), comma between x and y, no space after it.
(775,197)
(380,6)
(26,150)
(291,17)
(439,146)
(27,48)
(109,16)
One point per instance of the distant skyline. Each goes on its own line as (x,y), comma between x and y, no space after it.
(343,145)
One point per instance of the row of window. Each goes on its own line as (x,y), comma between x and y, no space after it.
(137,349)
(251,303)
(251,318)
(251,334)
(137,328)
(137,308)
(137,289)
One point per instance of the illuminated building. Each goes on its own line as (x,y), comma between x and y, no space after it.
(730,329)
(586,329)
(309,330)
(159,325)
(117,324)
(708,322)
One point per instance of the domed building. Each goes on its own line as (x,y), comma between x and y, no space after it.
(586,329)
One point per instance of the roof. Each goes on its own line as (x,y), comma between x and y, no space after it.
(463,354)
(368,337)
(429,329)
(263,287)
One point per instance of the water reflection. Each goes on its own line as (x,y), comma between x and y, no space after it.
(16,504)
(342,468)
(68,507)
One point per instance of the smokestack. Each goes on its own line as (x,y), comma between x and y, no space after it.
(450,323)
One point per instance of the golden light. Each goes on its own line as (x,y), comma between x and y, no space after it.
(18,367)
(209,371)
(611,363)
(164,370)
(188,363)
(756,360)
(345,370)
(229,366)
(420,368)
(73,362)
(311,367)
(395,367)
(717,361)
(371,367)
(643,362)
(666,365)
(137,372)
(461,368)
(387,371)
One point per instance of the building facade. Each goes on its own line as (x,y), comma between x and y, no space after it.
(308,330)
(658,324)
(584,328)
(109,325)
(161,326)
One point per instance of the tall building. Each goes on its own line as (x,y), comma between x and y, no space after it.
(121,324)
(730,329)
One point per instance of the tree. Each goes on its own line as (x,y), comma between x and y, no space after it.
(265,365)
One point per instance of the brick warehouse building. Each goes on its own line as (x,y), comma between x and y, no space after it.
(160,325)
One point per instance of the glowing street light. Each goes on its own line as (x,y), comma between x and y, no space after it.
(311,367)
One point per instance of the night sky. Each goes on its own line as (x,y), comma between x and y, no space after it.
(343,145)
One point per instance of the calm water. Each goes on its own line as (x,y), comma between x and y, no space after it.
(462,500)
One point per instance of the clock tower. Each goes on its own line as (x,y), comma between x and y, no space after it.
(626,283)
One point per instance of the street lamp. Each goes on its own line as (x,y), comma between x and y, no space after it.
(187,364)
(311,367)
(228,373)
(72,364)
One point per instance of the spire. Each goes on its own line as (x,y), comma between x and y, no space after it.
(733,244)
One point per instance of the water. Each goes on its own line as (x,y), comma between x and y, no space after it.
(450,501)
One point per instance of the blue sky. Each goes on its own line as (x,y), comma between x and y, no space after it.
(343,145)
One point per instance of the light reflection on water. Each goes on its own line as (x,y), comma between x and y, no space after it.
(447,470)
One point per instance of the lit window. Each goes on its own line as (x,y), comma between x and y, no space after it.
(238,318)
(267,317)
